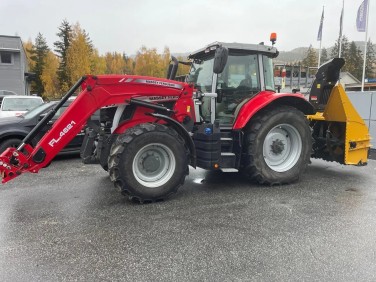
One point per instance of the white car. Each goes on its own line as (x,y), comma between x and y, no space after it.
(15,105)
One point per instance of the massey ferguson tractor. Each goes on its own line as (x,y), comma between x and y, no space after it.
(226,116)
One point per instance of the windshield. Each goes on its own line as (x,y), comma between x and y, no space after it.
(241,72)
(201,74)
(38,110)
(20,104)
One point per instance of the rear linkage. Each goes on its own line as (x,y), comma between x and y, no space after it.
(15,161)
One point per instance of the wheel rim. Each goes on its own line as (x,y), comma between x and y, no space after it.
(154,165)
(282,147)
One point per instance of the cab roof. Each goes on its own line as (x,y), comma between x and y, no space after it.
(236,48)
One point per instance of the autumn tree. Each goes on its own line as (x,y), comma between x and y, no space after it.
(183,69)
(130,64)
(98,63)
(61,48)
(39,53)
(79,55)
(28,46)
(165,60)
(149,63)
(115,63)
(49,77)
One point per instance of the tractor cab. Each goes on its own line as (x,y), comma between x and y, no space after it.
(227,75)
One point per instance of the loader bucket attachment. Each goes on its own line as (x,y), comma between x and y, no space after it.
(339,132)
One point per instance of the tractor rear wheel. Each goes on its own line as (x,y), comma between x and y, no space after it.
(148,162)
(277,146)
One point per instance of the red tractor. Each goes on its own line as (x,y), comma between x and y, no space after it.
(226,116)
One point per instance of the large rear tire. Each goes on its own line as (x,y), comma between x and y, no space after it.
(277,146)
(148,162)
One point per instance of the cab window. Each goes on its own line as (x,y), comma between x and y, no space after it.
(268,73)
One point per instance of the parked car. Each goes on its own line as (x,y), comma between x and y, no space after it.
(14,129)
(15,105)
(4,93)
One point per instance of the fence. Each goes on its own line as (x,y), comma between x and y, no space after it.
(365,104)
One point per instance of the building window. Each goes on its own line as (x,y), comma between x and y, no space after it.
(6,57)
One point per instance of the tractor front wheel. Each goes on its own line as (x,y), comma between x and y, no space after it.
(277,146)
(148,162)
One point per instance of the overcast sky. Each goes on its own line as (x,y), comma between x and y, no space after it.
(184,26)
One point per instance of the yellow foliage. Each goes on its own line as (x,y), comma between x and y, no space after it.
(28,45)
(98,63)
(149,63)
(78,55)
(183,69)
(49,77)
(115,63)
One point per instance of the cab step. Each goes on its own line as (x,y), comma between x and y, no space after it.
(228,160)
(229,170)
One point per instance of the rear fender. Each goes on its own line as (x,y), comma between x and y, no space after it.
(131,123)
(266,99)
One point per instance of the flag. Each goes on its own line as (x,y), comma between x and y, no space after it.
(361,19)
(341,24)
(319,34)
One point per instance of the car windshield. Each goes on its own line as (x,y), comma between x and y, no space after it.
(20,104)
(38,110)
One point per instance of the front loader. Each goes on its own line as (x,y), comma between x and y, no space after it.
(226,116)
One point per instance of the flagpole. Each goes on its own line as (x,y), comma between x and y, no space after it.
(322,27)
(365,47)
(340,35)
(318,65)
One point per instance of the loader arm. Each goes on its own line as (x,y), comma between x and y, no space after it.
(97,93)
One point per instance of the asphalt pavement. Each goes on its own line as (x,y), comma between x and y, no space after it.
(68,223)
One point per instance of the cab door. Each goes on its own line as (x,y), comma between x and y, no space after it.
(239,82)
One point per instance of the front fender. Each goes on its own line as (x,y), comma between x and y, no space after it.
(267,99)
(13,133)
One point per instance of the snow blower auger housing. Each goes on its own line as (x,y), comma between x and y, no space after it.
(226,116)
(339,132)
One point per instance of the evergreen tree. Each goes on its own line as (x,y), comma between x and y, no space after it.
(324,56)
(61,48)
(311,59)
(354,61)
(344,48)
(370,61)
(38,55)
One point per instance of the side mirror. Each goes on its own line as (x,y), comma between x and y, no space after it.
(41,116)
(172,68)
(220,59)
